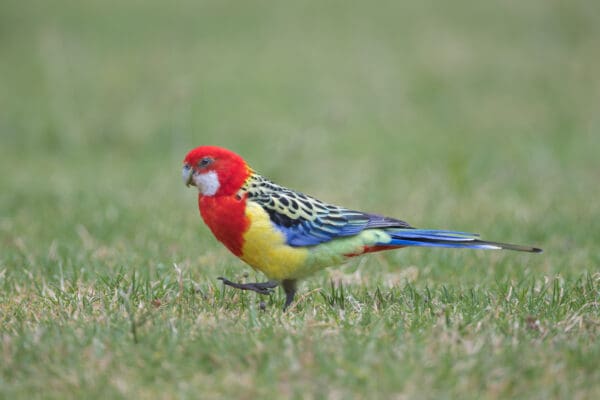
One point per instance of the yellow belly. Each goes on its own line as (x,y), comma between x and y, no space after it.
(265,249)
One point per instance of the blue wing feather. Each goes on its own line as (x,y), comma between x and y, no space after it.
(320,230)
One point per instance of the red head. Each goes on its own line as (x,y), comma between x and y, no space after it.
(215,171)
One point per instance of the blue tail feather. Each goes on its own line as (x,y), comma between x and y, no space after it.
(452,239)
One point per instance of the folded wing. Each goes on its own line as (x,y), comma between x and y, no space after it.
(306,221)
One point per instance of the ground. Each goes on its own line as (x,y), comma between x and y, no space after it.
(474,116)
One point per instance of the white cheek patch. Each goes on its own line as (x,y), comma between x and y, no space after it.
(207,183)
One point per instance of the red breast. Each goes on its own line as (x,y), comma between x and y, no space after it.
(226,218)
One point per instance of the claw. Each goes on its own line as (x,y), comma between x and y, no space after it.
(258,287)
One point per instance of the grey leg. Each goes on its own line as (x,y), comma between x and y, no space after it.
(289,287)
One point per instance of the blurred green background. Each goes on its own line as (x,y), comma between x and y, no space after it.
(475,116)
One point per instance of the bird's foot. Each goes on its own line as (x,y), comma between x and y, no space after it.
(258,287)
(289,287)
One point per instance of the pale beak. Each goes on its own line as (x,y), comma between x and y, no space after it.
(187,173)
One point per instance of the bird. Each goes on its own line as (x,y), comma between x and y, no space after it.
(288,235)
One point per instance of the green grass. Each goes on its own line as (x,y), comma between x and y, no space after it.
(472,116)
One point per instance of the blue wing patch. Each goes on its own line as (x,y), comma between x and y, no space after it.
(323,228)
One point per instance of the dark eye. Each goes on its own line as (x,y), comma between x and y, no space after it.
(206,161)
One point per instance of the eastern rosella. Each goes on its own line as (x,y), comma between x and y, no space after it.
(288,235)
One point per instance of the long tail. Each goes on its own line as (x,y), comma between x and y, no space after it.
(437,238)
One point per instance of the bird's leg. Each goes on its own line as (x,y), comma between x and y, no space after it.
(289,287)
(258,287)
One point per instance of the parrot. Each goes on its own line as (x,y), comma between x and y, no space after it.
(288,235)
